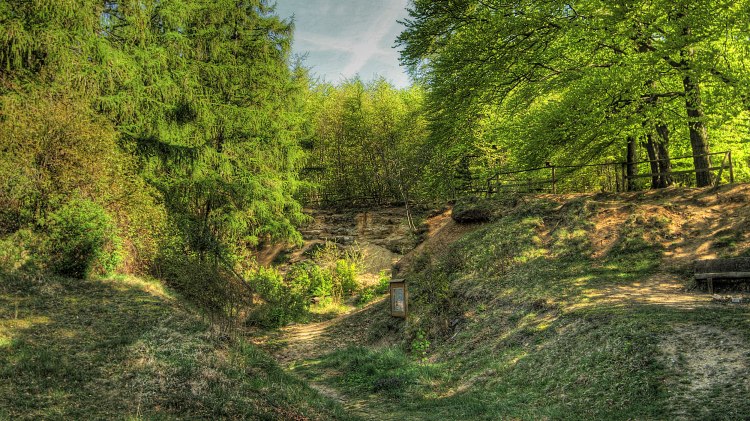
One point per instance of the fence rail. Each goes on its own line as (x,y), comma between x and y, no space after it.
(549,178)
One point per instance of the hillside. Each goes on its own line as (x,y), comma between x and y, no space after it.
(564,307)
(577,306)
(381,236)
(127,349)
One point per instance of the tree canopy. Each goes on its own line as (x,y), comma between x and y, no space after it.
(572,80)
(194,107)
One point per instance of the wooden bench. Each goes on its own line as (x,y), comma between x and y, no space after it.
(725,269)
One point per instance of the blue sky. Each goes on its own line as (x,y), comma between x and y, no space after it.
(343,38)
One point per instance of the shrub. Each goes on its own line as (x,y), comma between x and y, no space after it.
(16,250)
(420,345)
(321,281)
(345,276)
(384,281)
(284,302)
(82,240)
(206,285)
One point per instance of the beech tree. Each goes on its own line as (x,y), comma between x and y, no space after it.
(628,62)
(368,142)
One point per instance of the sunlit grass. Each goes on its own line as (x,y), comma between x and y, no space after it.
(527,321)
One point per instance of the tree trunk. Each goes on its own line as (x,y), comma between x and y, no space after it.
(662,148)
(630,167)
(694,106)
(698,132)
(653,158)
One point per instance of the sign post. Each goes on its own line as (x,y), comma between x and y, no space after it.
(399,298)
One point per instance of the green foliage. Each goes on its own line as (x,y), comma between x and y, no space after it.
(285,300)
(366,144)
(420,345)
(178,114)
(215,291)
(321,281)
(570,82)
(82,240)
(17,250)
(345,277)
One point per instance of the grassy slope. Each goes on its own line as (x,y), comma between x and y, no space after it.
(558,309)
(125,349)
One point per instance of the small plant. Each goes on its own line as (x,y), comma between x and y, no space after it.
(420,345)
(345,276)
(342,269)
(383,281)
(321,281)
(82,240)
(367,295)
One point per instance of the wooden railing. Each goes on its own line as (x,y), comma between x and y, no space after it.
(548,179)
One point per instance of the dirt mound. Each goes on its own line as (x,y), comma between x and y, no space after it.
(442,232)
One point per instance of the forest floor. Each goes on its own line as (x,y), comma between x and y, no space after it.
(688,351)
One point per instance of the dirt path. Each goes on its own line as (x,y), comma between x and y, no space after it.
(301,344)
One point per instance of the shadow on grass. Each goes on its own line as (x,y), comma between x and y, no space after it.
(597,363)
(113,349)
(529,322)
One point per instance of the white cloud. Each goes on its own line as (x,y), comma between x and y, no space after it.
(364,30)
(368,42)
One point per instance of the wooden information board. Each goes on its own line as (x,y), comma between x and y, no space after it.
(399,298)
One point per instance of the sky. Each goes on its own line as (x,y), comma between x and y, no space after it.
(345,38)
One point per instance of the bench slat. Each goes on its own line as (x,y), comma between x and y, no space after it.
(723,275)
(736,264)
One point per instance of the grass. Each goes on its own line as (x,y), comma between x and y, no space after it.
(518,329)
(127,349)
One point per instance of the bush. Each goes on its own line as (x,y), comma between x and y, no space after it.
(345,276)
(82,240)
(321,281)
(209,287)
(285,302)
(16,250)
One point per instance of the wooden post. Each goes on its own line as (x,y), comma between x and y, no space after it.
(731,168)
(617,178)
(632,165)
(721,171)
(554,181)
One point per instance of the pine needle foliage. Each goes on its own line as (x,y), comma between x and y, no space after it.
(190,109)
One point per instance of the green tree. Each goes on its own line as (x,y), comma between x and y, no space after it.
(368,142)
(211,106)
(628,62)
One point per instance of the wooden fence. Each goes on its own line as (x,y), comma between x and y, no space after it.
(612,176)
